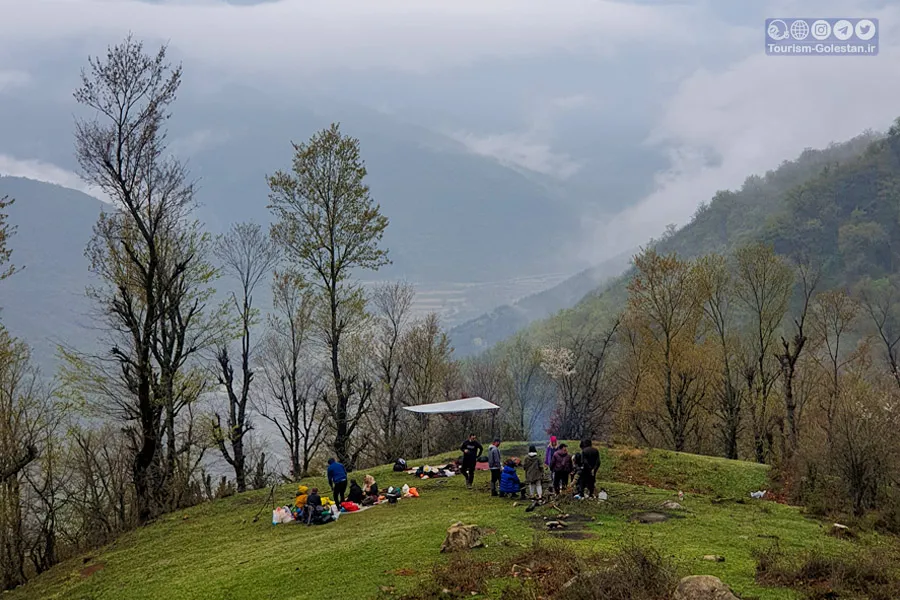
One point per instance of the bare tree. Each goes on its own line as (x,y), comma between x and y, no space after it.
(247,255)
(99,488)
(294,389)
(834,315)
(881,300)
(6,232)
(23,419)
(763,290)
(393,304)
(150,258)
(487,379)
(330,228)
(718,308)
(581,369)
(427,356)
(665,308)
(792,349)
(528,390)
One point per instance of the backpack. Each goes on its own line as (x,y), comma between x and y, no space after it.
(399,466)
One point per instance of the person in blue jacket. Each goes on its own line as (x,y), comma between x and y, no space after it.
(337,480)
(509,481)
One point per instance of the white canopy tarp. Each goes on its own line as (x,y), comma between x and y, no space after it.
(453,406)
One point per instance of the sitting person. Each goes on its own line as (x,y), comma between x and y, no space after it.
(356,493)
(302,495)
(313,504)
(509,481)
(370,489)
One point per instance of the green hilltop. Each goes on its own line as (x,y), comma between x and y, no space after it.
(216,550)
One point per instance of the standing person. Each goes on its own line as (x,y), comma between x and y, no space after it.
(495,464)
(577,475)
(471,450)
(561,467)
(590,464)
(551,450)
(534,474)
(337,479)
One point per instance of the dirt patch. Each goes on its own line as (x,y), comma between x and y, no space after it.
(571,521)
(402,572)
(573,535)
(653,517)
(629,452)
(578,519)
(90,570)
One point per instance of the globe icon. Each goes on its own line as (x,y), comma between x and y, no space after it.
(799,30)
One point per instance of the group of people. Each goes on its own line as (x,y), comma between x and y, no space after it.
(581,468)
(337,481)
(310,505)
(563,468)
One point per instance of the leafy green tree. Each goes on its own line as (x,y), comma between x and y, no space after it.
(330,229)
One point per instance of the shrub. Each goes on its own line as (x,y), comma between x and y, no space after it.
(872,575)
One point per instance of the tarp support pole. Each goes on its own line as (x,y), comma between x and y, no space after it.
(424,435)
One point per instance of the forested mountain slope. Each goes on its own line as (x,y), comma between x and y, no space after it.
(839,206)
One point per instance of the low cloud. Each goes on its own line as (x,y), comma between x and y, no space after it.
(723,125)
(531,149)
(521,150)
(304,36)
(43,171)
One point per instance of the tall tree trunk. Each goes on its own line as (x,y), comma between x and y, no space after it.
(342,392)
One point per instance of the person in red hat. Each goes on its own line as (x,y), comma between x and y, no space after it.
(551,450)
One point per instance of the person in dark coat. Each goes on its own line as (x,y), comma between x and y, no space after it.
(590,464)
(356,493)
(337,480)
(471,450)
(576,472)
(510,485)
(313,504)
(561,467)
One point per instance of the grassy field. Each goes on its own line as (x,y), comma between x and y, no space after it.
(217,551)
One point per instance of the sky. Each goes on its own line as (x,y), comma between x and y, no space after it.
(546,87)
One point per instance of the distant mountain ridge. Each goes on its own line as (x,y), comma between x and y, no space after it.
(503,322)
(45,302)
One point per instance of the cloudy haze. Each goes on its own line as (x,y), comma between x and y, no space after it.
(639,110)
